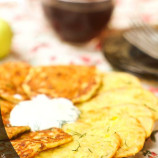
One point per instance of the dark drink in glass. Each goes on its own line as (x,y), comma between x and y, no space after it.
(78,21)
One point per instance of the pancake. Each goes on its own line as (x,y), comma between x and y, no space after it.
(12,98)
(7,89)
(86,144)
(31,144)
(115,119)
(128,128)
(115,80)
(5,119)
(141,113)
(14,131)
(12,75)
(27,148)
(138,96)
(148,124)
(77,83)
(6,106)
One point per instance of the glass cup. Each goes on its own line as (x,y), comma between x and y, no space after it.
(78,21)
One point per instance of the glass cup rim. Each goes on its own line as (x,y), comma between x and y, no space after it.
(74,5)
(80,1)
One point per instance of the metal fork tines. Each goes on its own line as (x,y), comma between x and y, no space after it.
(144,38)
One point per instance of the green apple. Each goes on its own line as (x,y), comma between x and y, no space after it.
(5,38)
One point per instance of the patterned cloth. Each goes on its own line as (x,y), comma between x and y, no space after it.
(35,42)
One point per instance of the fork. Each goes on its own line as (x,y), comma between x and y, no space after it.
(144,37)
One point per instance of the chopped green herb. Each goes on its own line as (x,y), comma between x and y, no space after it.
(77,134)
(108,129)
(37,125)
(104,156)
(77,147)
(63,123)
(126,143)
(90,150)
(83,135)
(79,116)
(149,107)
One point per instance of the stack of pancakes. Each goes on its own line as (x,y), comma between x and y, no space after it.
(117,114)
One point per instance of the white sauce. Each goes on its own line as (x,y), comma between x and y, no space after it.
(43,113)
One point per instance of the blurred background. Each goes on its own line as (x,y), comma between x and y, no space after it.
(35,41)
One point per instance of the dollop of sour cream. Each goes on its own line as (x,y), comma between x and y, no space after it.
(43,113)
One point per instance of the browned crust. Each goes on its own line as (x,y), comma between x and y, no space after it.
(29,145)
(12,75)
(77,83)
(6,106)
(13,132)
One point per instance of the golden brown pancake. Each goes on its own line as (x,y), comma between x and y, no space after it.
(6,106)
(31,144)
(27,148)
(132,95)
(141,113)
(14,131)
(6,88)
(12,75)
(115,80)
(85,144)
(114,123)
(5,119)
(77,83)
(131,132)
